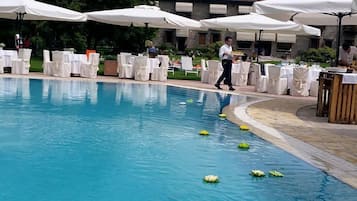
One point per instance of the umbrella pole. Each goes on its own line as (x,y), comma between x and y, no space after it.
(260,33)
(340,16)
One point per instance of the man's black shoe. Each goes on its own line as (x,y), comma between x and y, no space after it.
(217,85)
(231,89)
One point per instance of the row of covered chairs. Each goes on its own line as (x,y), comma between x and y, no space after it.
(141,67)
(63,62)
(19,62)
(302,81)
(211,72)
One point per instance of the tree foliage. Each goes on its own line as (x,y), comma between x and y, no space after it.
(109,39)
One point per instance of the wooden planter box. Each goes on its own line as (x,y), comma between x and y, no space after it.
(110,67)
(337,101)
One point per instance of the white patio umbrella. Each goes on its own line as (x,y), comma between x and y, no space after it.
(34,10)
(143,16)
(311,12)
(256,22)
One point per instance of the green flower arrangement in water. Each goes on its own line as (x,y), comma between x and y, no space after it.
(243,145)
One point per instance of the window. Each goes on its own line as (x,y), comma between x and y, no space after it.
(217,10)
(242,10)
(283,47)
(244,44)
(184,7)
(202,38)
(328,42)
(215,37)
(169,36)
(314,43)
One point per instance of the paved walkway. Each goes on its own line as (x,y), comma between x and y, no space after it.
(288,122)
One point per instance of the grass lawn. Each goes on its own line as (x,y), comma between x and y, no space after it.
(180,75)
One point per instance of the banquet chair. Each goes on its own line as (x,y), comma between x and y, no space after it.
(90,68)
(160,73)
(22,64)
(252,76)
(235,73)
(243,73)
(187,66)
(213,71)
(204,71)
(47,64)
(276,84)
(2,64)
(141,69)
(300,86)
(314,88)
(261,82)
(125,70)
(61,65)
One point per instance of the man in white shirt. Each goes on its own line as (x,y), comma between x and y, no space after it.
(346,54)
(225,54)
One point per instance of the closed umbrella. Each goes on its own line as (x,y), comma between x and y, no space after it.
(312,12)
(143,16)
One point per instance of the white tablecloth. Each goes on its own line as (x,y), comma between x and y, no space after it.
(349,78)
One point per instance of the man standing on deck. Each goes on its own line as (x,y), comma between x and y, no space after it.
(225,54)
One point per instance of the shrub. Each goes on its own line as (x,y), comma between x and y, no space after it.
(323,55)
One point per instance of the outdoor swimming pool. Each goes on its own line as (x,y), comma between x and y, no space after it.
(87,141)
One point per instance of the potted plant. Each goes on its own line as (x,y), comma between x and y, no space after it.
(110,65)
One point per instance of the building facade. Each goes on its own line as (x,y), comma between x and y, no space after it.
(268,44)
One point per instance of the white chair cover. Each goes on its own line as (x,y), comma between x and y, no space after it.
(160,73)
(141,68)
(300,85)
(2,64)
(243,74)
(204,72)
(213,71)
(261,80)
(276,84)
(90,69)
(252,76)
(125,70)
(314,88)
(235,73)
(22,64)
(47,65)
(61,66)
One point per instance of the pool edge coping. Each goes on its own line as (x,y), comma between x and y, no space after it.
(333,165)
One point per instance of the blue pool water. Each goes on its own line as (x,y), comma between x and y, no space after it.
(83,141)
